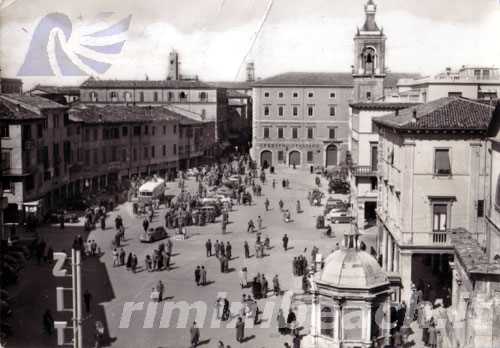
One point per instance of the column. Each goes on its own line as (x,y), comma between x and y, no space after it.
(389,259)
(384,250)
(396,259)
(367,321)
(405,273)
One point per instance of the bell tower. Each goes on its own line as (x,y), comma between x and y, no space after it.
(368,71)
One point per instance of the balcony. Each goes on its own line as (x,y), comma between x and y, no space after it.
(427,239)
(364,171)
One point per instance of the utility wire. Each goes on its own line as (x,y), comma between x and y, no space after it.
(255,37)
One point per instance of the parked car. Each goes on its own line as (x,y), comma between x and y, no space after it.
(339,216)
(153,234)
(55,216)
(338,186)
(334,203)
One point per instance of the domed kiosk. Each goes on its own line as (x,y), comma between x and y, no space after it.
(351,302)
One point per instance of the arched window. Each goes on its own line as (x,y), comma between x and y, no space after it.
(368,59)
(182,96)
(327,321)
(127,96)
(203,96)
(93,96)
(113,96)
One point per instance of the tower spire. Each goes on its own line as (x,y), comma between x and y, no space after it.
(370,11)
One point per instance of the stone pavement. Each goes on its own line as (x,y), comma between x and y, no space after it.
(113,287)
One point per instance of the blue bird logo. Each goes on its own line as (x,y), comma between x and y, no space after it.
(56,28)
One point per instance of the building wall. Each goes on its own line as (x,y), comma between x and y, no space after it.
(492,209)
(321,122)
(409,188)
(363,134)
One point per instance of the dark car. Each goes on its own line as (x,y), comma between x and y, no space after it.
(338,186)
(153,234)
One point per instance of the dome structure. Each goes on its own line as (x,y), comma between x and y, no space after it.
(352,269)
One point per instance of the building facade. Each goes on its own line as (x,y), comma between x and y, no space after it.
(302,119)
(36,153)
(473,82)
(51,153)
(432,177)
(198,98)
(493,200)
(364,154)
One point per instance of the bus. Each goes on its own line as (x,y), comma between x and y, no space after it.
(153,189)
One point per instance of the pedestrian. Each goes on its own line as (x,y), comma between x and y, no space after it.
(134,263)
(129,261)
(281,205)
(203,276)
(145,224)
(243,277)
(296,341)
(217,248)
(87,297)
(276,285)
(240,330)
(195,335)
(208,247)
(291,321)
(285,242)
(116,260)
(148,262)
(266,204)
(247,249)
(218,307)
(103,222)
(122,257)
(48,322)
(160,288)
(229,249)
(226,312)
(197,275)
(281,322)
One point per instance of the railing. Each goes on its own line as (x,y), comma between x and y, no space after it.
(426,238)
(363,171)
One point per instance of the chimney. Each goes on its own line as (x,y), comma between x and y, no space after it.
(250,72)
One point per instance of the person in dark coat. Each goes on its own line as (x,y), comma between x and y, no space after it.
(103,222)
(195,335)
(197,275)
(290,320)
(296,341)
(229,249)
(225,310)
(276,286)
(129,261)
(145,225)
(48,322)
(247,249)
(240,330)
(208,247)
(285,242)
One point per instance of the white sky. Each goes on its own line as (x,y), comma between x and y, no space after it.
(212,36)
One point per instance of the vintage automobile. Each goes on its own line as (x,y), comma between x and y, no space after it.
(339,216)
(338,186)
(210,213)
(334,203)
(153,234)
(55,216)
